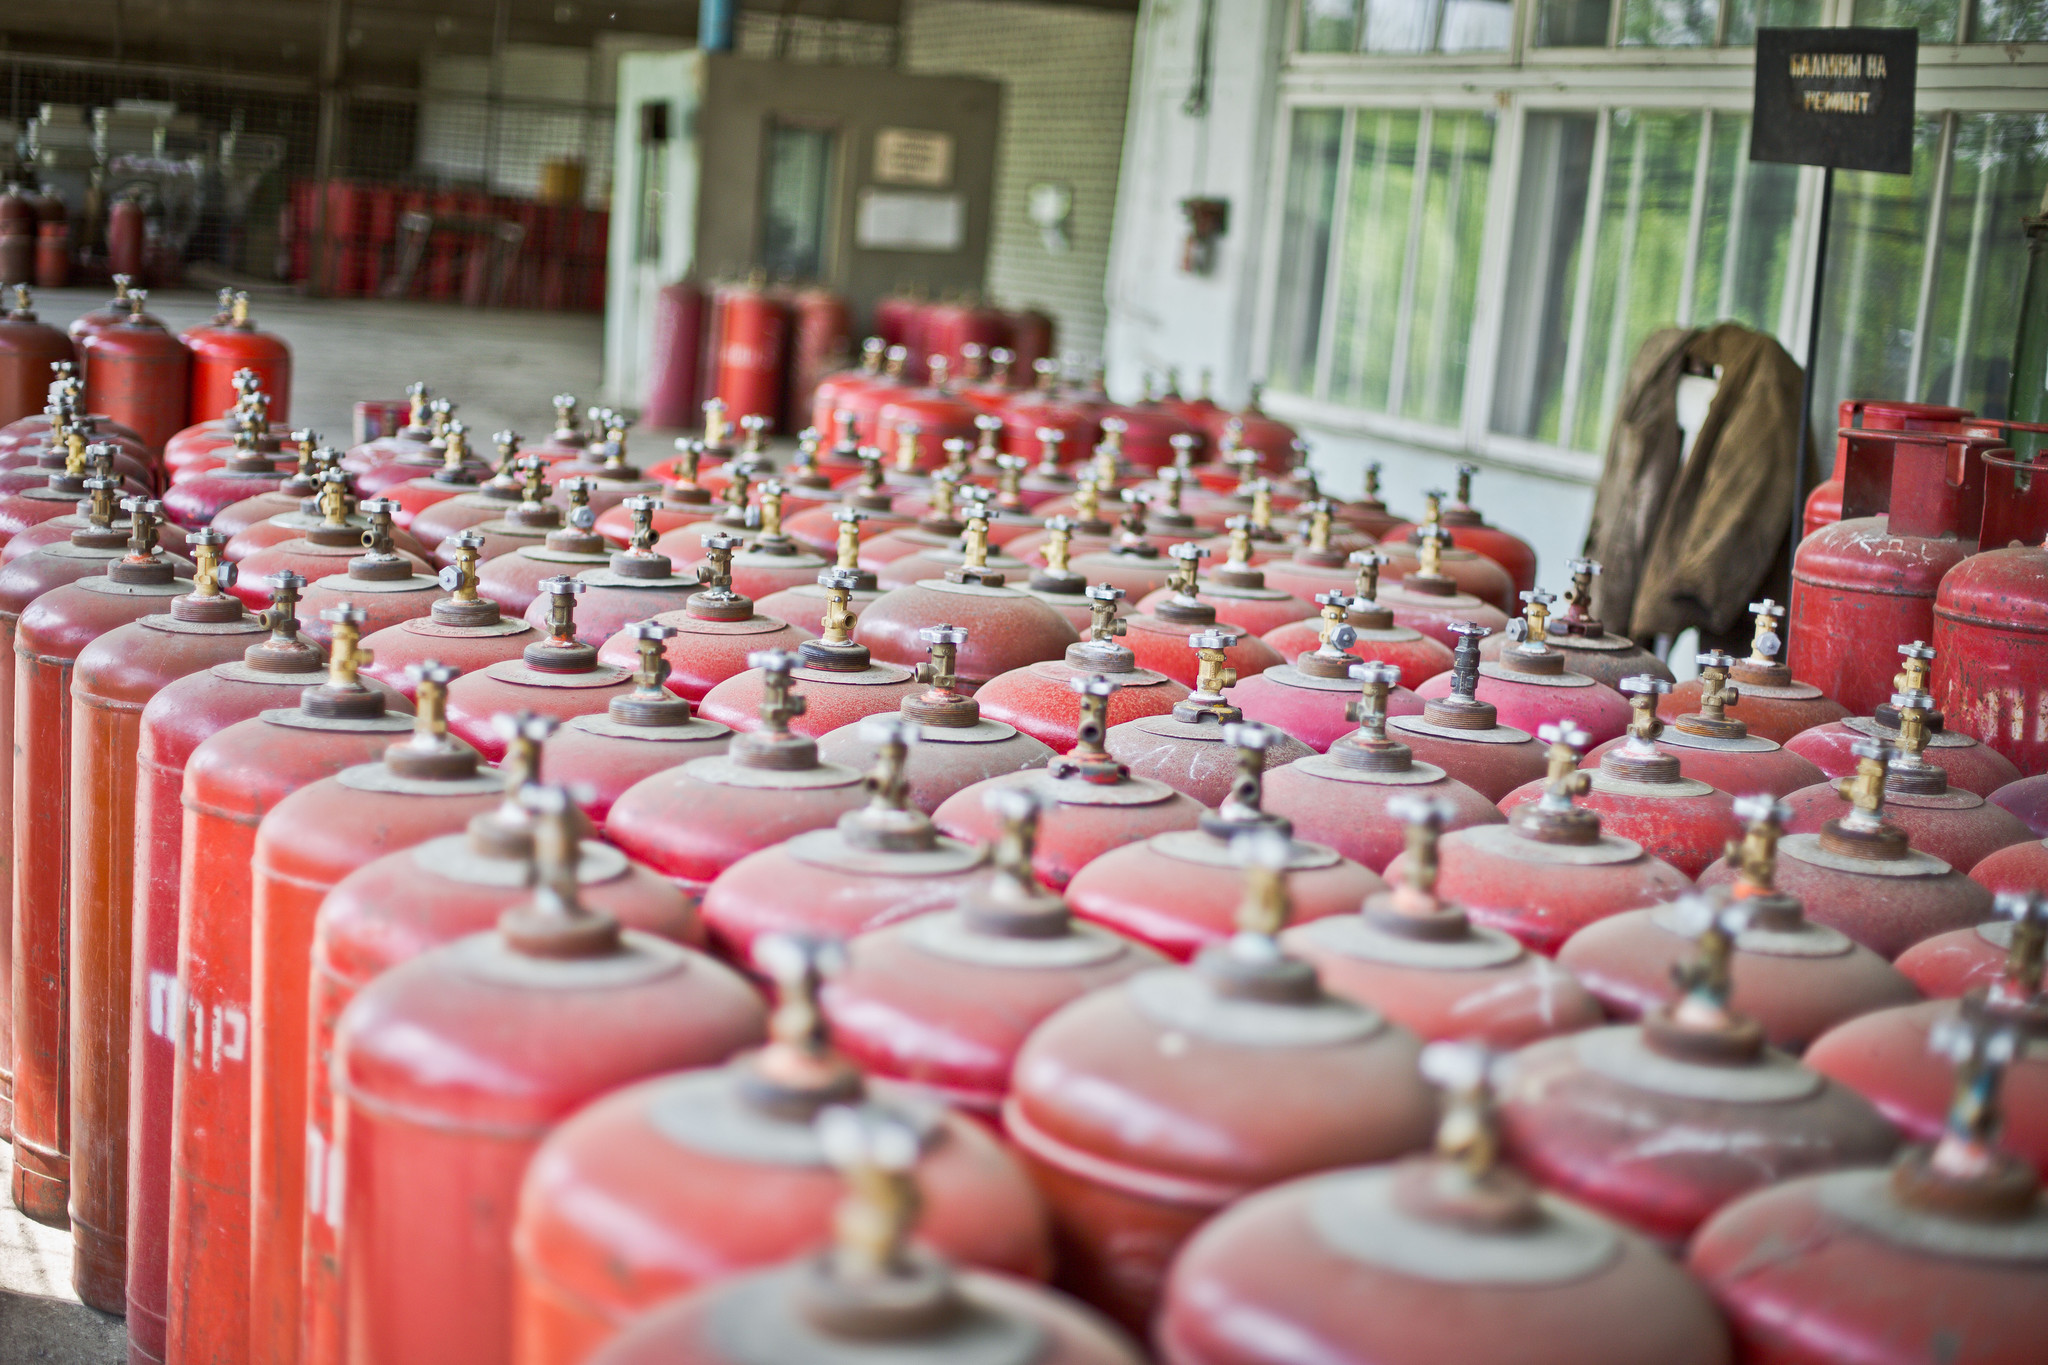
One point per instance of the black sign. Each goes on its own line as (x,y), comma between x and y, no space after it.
(1835,97)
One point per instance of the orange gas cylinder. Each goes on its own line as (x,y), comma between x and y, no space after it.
(943,1002)
(843,681)
(1959,827)
(1279,1077)
(360,544)
(386,586)
(482,500)
(1585,642)
(1639,793)
(408,903)
(1972,766)
(518,555)
(1418,958)
(1774,705)
(1468,574)
(403,461)
(817,528)
(1037,699)
(1090,804)
(271,673)
(558,676)
(723,1171)
(247,471)
(769,561)
(408,444)
(235,344)
(571,995)
(1794,978)
(1470,531)
(1456,1256)
(685,497)
(1528,685)
(693,821)
(1463,736)
(1427,599)
(1716,749)
(459,473)
(231,780)
(309,841)
(1184,747)
(1344,798)
(1582,1114)
(1377,637)
(969,748)
(27,350)
(804,606)
(1885,1056)
(877,865)
(1158,637)
(1551,870)
(1948,1247)
(1313,698)
(1236,592)
(136,373)
(714,631)
(638,584)
(465,629)
(1165,891)
(1858,874)
(646,731)
(869,1293)
(114,677)
(51,632)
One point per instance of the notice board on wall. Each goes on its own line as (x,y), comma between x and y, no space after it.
(1837,97)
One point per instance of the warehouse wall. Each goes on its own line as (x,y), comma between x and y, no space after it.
(1066,73)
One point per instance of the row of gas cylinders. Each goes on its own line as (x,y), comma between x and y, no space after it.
(333,1043)
(143,383)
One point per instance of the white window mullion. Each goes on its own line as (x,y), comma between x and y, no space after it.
(1731,249)
(1375,205)
(1333,261)
(1973,269)
(1616,366)
(1504,188)
(1446,269)
(1404,310)
(1930,256)
(1582,287)
(1696,217)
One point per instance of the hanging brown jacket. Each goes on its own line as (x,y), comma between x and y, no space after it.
(1690,545)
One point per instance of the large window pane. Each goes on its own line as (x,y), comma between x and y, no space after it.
(1446,272)
(1745,17)
(1746,233)
(1329,25)
(2010,21)
(1476,26)
(1550,215)
(2001,162)
(1875,248)
(1304,246)
(1668,23)
(1573,23)
(1376,255)
(1936,19)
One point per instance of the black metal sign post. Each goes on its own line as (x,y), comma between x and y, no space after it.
(1831,97)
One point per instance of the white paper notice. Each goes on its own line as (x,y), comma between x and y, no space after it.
(901,220)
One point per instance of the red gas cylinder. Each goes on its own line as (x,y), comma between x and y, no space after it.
(937,543)
(1417,957)
(1158,638)
(1640,794)
(192,502)
(856,413)
(1090,804)
(1469,531)
(248,524)
(125,231)
(1184,747)
(675,364)
(1166,892)
(50,633)
(638,584)
(1951,965)
(62,492)
(458,473)
(464,628)
(868,1293)
(476,502)
(1344,798)
(1426,598)
(114,677)
(1238,592)
(950,328)
(823,335)
(527,517)
(413,452)
(385,586)
(1527,685)
(1279,1077)
(1970,766)
(1586,644)
(1990,624)
(1468,572)
(1319,564)
(1375,634)
(880,864)
(1313,698)
(693,821)
(1885,1055)
(804,606)
(1037,698)
(1451,1257)
(309,841)
(724,1171)
(18,224)
(108,314)
(836,391)
(137,373)
(1858,874)
(646,731)
(715,633)
(409,443)
(569,997)
(750,351)
(1583,1114)
(1254,430)
(1949,1247)
(944,1001)
(1008,628)
(231,780)
(1794,978)
(1824,503)
(958,747)
(1714,748)
(558,676)
(1910,513)
(1058,585)
(932,413)
(220,350)
(1463,736)
(611,476)
(529,546)
(1774,706)
(1368,514)
(1551,870)
(1149,432)
(1044,406)
(1959,827)
(27,350)
(684,499)
(986,378)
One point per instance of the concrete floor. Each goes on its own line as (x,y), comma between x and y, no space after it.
(502,369)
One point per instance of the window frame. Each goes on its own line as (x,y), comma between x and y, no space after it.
(1953,80)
